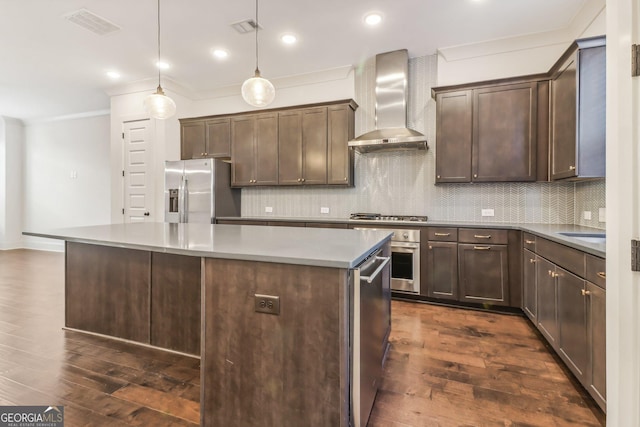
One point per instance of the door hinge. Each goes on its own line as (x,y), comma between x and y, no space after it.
(122,135)
(635,60)
(122,211)
(122,173)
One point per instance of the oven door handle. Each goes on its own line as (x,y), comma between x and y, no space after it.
(405,245)
(385,261)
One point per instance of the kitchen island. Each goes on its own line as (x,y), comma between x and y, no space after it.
(283,338)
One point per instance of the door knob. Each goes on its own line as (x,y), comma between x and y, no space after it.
(146,214)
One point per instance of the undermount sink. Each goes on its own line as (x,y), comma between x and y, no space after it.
(586,237)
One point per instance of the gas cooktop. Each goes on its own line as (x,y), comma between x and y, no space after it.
(379,217)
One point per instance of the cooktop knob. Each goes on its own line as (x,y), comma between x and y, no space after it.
(405,235)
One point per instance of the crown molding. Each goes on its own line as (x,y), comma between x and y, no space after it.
(563,36)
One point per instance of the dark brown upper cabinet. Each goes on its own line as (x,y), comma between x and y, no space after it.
(453,136)
(488,132)
(302,148)
(255,150)
(205,138)
(578,114)
(299,145)
(341,128)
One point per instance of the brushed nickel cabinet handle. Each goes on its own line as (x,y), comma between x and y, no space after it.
(532,261)
(602,274)
(442,234)
(438,176)
(585,292)
(302,179)
(345,178)
(430,247)
(550,273)
(475,175)
(481,248)
(529,242)
(572,168)
(480,236)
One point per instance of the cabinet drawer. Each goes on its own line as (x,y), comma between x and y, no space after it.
(564,256)
(529,242)
(443,234)
(482,235)
(596,270)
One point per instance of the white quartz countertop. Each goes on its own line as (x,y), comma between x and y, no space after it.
(336,248)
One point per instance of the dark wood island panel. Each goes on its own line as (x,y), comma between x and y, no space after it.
(283,370)
(175,302)
(107,290)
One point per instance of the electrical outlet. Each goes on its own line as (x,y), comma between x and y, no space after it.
(324,210)
(269,304)
(586,215)
(268,209)
(488,212)
(602,215)
(73,174)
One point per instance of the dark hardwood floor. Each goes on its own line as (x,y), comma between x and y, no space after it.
(446,367)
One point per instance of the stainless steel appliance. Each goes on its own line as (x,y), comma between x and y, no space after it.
(199,190)
(371,323)
(392,132)
(405,249)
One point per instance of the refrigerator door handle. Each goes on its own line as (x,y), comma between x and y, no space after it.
(181,200)
(185,200)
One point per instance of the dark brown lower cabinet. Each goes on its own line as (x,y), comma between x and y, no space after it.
(483,273)
(547,301)
(572,321)
(107,290)
(529,303)
(596,378)
(175,302)
(442,270)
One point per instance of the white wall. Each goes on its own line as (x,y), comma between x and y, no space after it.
(11,140)
(52,199)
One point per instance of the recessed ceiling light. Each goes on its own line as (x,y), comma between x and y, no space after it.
(113,74)
(373,18)
(288,39)
(220,53)
(162,65)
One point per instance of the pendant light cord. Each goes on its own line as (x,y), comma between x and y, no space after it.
(158,64)
(257,26)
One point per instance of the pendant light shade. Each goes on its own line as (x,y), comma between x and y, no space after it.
(159,105)
(258,91)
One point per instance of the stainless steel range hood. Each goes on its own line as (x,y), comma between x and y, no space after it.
(392,133)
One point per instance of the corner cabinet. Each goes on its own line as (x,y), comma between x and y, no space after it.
(488,132)
(578,111)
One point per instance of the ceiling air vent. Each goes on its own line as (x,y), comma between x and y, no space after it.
(92,22)
(246,26)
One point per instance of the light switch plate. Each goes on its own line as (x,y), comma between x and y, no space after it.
(324,210)
(602,215)
(488,212)
(586,215)
(268,209)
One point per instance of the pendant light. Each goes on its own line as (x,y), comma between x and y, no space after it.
(159,105)
(258,91)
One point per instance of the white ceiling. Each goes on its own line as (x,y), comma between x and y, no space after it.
(51,67)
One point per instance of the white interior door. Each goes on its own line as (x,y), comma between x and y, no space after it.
(138,171)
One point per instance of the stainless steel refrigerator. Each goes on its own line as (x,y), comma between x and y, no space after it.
(199,190)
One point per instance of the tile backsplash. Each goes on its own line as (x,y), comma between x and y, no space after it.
(402,183)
